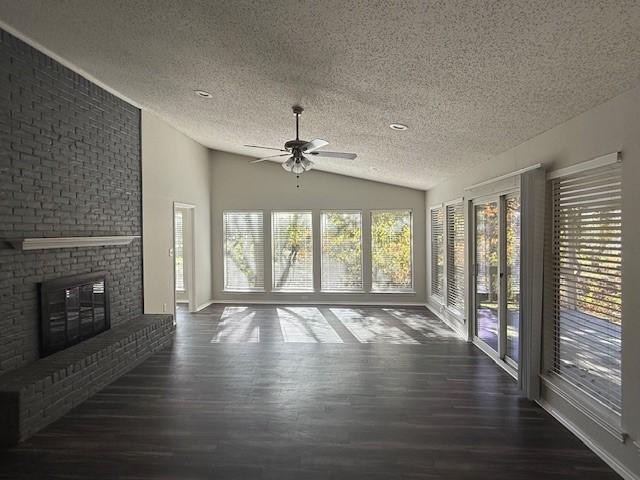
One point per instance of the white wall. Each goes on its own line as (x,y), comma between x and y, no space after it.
(612,126)
(174,169)
(238,185)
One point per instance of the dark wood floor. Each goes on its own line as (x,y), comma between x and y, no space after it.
(293,393)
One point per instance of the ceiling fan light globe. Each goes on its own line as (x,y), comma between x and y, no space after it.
(306,164)
(288,165)
(297,168)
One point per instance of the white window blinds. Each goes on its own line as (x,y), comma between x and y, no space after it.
(243,251)
(292,243)
(587,276)
(455,256)
(341,251)
(391,251)
(437,252)
(179,249)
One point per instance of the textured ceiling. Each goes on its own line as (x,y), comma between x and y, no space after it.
(470,78)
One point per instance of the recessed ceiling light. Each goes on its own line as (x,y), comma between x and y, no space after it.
(203,94)
(398,126)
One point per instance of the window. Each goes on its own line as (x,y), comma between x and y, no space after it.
(179,249)
(391,251)
(437,252)
(243,252)
(292,243)
(341,251)
(455,256)
(587,277)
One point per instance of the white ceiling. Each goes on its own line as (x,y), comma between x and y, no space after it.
(470,78)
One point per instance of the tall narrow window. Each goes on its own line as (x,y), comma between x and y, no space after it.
(292,243)
(243,251)
(179,249)
(455,256)
(587,276)
(341,251)
(391,251)
(437,252)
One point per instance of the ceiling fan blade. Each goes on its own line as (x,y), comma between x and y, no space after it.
(268,158)
(267,148)
(314,144)
(346,156)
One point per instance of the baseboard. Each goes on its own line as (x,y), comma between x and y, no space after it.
(619,468)
(447,322)
(204,305)
(315,302)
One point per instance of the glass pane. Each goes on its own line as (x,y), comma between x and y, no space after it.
(292,244)
(73,313)
(487,284)
(437,252)
(179,250)
(391,257)
(243,251)
(513,275)
(341,251)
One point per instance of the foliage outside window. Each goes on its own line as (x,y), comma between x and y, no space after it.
(292,244)
(391,251)
(243,251)
(341,251)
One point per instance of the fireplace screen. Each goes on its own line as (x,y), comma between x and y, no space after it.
(72,310)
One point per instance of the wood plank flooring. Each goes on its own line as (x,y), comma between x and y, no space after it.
(308,393)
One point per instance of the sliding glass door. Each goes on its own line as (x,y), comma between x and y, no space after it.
(496,276)
(487,237)
(512,277)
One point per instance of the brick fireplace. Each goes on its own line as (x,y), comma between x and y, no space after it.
(72,168)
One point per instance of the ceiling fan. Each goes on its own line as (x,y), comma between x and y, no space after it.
(297,149)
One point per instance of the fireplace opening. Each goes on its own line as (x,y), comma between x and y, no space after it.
(73,309)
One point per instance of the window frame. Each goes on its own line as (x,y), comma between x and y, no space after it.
(411,290)
(322,212)
(224,256)
(313,279)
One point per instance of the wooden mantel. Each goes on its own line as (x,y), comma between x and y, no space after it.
(70,242)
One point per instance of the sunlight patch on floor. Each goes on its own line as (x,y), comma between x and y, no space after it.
(369,329)
(305,325)
(237,325)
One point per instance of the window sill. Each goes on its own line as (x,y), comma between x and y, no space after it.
(293,291)
(598,413)
(393,292)
(437,298)
(345,292)
(455,313)
(226,290)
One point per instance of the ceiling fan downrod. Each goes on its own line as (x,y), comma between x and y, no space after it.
(297,111)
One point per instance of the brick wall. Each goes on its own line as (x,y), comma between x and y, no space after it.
(69,166)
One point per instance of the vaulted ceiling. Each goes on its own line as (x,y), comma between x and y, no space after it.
(470,79)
